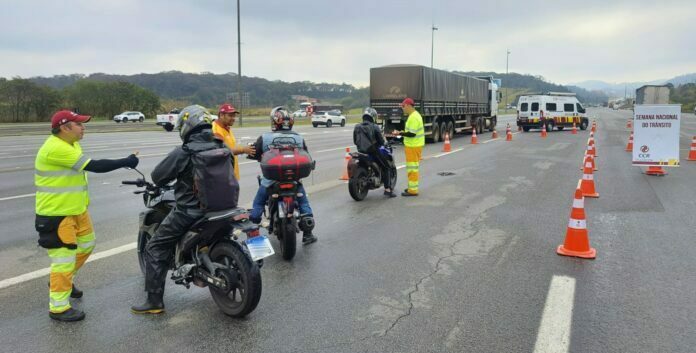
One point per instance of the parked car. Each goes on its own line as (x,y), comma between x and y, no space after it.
(129,116)
(299,114)
(170,120)
(328,118)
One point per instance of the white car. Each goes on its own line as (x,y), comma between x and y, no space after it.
(299,114)
(328,118)
(129,116)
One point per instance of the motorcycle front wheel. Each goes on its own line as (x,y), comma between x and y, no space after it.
(357,185)
(243,299)
(287,236)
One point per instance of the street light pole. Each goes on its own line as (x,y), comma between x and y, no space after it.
(507,62)
(432,45)
(239,66)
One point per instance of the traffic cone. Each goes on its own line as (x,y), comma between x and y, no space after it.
(474,139)
(585,159)
(345,169)
(577,240)
(692,151)
(447,147)
(508,134)
(543,131)
(629,146)
(628,124)
(575,129)
(594,126)
(495,134)
(587,186)
(658,171)
(591,148)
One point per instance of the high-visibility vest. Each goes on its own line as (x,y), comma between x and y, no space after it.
(414,124)
(60,179)
(228,138)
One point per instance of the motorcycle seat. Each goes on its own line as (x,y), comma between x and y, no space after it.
(233,213)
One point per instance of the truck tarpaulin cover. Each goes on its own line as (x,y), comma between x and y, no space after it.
(397,82)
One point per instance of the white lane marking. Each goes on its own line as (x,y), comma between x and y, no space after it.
(447,153)
(491,140)
(554,329)
(45,271)
(336,149)
(153,154)
(17,197)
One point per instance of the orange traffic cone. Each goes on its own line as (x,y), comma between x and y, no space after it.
(345,169)
(629,146)
(543,131)
(474,139)
(577,240)
(591,148)
(628,124)
(692,151)
(587,186)
(508,134)
(585,159)
(594,126)
(575,129)
(447,147)
(495,134)
(656,171)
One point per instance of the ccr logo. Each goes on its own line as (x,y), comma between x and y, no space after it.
(644,149)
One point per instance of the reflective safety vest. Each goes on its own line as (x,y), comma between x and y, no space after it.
(60,179)
(414,124)
(228,138)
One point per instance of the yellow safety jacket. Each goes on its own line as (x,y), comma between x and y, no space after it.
(60,179)
(414,124)
(226,135)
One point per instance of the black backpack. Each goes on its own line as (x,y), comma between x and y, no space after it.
(214,183)
(365,139)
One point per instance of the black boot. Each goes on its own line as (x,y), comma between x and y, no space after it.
(306,225)
(153,305)
(76,293)
(308,238)
(68,315)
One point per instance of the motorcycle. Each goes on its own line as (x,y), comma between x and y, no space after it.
(210,254)
(283,215)
(365,173)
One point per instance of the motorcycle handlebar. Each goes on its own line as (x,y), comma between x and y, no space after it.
(131,182)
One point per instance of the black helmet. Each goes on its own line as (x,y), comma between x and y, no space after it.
(192,119)
(281,119)
(370,114)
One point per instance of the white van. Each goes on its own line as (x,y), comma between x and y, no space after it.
(552,109)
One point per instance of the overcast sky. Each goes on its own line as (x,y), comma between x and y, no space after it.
(338,41)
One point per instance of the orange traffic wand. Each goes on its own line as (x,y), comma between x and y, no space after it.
(629,146)
(658,171)
(474,139)
(575,129)
(577,240)
(543,131)
(345,169)
(692,151)
(447,147)
(588,186)
(508,133)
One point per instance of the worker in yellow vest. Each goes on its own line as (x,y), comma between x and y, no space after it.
(64,226)
(222,129)
(414,140)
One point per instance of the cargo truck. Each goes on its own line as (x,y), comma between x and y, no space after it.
(652,94)
(449,102)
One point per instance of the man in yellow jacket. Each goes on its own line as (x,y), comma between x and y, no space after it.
(414,140)
(222,129)
(62,221)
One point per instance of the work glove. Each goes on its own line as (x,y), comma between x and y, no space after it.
(131,161)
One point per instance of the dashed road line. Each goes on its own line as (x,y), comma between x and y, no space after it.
(553,335)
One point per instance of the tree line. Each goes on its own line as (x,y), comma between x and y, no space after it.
(23,100)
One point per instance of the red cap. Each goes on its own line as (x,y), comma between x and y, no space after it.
(65,116)
(408,101)
(227,109)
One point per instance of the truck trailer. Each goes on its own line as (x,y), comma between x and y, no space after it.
(449,102)
(652,94)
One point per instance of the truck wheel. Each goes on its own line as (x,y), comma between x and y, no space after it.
(525,128)
(168,127)
(559,128)
(549,126)
(583,125)
(450,129)
(491,125)
(480,126)
(436,133)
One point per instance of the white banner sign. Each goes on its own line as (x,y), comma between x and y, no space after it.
(656,135)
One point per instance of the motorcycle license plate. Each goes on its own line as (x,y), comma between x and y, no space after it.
(259,247)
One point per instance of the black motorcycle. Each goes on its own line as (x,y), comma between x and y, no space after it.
(210,254)
(283,215)
(365,173)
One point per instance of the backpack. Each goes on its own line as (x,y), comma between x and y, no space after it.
(365,139)
(214,183)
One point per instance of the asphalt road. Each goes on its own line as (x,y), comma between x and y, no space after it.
(468,266)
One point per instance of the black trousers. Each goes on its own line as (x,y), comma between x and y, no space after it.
(160,248)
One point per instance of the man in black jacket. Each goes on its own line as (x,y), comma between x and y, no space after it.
(369,131)
(196,134)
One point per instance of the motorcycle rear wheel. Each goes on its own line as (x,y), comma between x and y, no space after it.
(357,185)
(287,236)
(242,300)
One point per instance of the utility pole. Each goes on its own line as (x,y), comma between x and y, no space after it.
(239,67)
(507,62)
(432,44)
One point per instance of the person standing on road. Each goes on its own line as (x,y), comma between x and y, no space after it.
(222,129)
(414,140)
(64,225)
(368,139)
